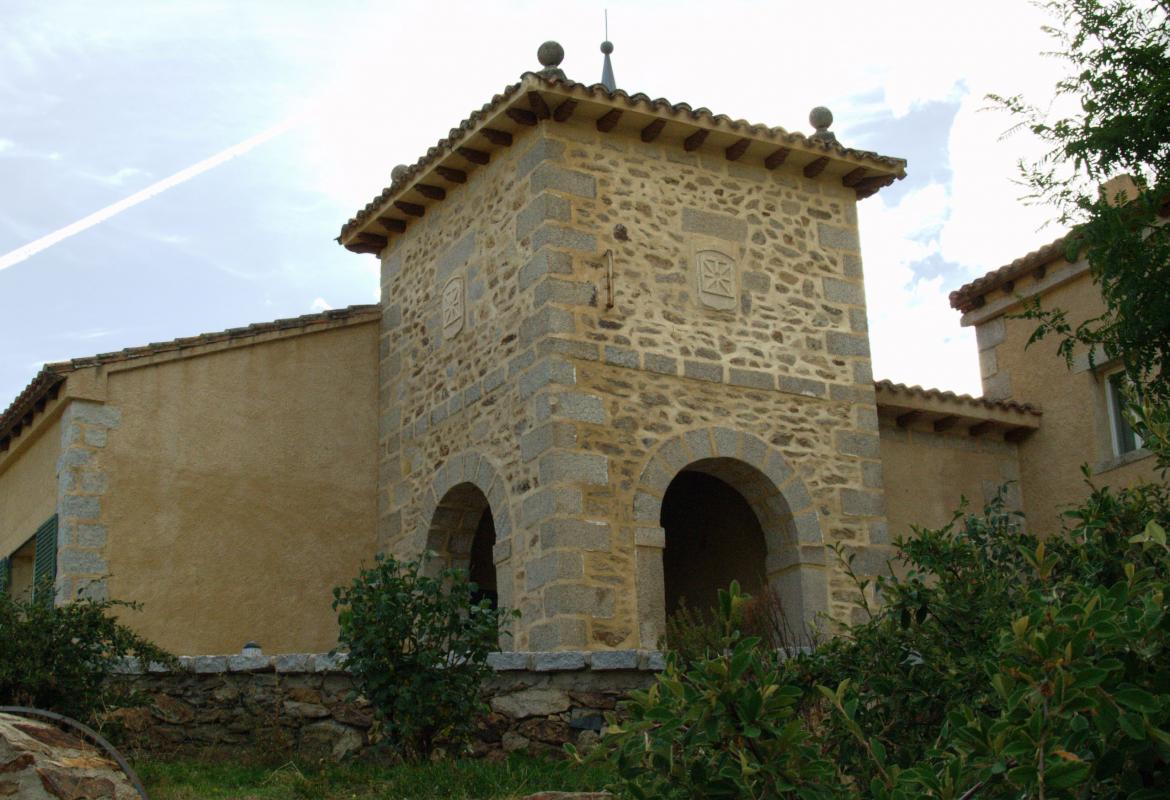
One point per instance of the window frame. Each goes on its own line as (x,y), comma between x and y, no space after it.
(1115,414)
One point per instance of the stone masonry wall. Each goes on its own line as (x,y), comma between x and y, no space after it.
(300,703)
(81,484)
(736,345)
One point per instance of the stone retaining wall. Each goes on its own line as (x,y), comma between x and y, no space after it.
(298,703)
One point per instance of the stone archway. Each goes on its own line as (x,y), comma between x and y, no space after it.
(467,521)
(794,560)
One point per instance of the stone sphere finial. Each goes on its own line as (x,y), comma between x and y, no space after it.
(820,118)
(607,47)
(398,173)
(550,54)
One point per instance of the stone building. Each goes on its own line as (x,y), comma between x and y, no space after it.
(621,358)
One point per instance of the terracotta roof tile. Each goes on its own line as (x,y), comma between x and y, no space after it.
(51,375)
(969,296)
(896,167)
(939,394)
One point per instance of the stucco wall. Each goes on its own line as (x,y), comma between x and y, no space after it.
(569,414)
(928,474)
(241,489)
(1076,428)
(28,485)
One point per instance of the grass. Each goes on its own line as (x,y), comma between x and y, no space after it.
(206,779)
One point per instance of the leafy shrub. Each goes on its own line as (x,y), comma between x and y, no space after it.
(693,633)
(925,650)
(998,665)
(417,648)
(720,726)
(697,633)
(59,657)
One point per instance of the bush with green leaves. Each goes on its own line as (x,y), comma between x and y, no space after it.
(998,665)
(417,646)
(721,726)
(60,657)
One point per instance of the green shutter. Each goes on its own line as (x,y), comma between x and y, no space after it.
(45,568)
(5,575)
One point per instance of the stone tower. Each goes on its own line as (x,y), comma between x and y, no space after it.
(617,334)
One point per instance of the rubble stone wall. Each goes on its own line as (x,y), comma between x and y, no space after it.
(303,704)
(594,314)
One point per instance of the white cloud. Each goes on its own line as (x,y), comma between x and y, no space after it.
(914,334)
(6,144)
(319,305)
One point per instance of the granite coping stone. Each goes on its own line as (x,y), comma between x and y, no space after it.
(509,661)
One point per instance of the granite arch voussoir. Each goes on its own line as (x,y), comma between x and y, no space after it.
(775,491)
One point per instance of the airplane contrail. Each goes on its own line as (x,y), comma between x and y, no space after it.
(48,240)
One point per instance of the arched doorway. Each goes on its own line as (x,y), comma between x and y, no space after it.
(715,472)
(712,538)
(463,534)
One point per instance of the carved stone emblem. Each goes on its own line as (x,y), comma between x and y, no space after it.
(452,307)
(717,279)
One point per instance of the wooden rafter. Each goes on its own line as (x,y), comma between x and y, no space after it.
(777,158)
(1016,435)
(453,175)
(431,192)
(945,423)
(413,209)
(853,177)
(695,140)
(474,156)
(980,428)
(521,117)
(393,225)
(608,121)
(816,167)
(502,138)
(565,110)
(867,186)
(905,419)
(538,106)
(736,150)
(651,131)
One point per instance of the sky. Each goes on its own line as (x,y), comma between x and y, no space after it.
(172,168)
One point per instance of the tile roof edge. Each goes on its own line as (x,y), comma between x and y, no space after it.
(53,374)
(637,101)
(966,297)
(949,396)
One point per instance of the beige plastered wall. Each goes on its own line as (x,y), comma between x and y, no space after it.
(241,489)
(927,475)
(28,483)
(1075,429)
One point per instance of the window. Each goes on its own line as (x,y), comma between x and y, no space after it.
(1125,439)
(33,566)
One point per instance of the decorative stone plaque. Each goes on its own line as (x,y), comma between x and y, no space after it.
(452,307)
(717,279)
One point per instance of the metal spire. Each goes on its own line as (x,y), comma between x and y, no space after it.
(607,67)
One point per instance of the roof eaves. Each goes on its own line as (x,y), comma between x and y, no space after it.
(971,296)
(871,171)
(46,382)
(964,399)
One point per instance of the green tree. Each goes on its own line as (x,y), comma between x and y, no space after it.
(1118,54)
(417,647)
